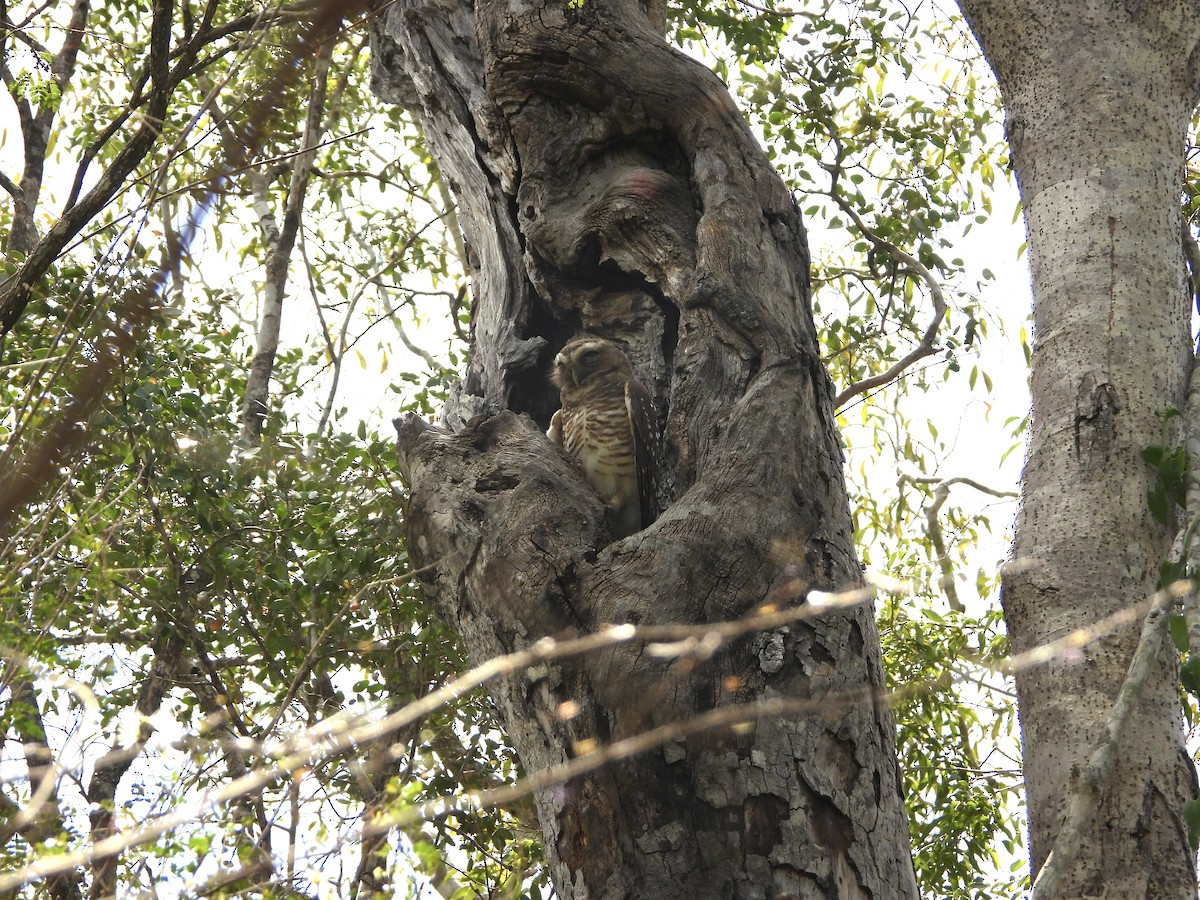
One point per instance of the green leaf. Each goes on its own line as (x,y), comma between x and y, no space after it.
(1169,573)
(1191,815)
(1159,507)
(1189,674)
(1179,637)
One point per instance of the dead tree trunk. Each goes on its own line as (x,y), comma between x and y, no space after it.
(608,185)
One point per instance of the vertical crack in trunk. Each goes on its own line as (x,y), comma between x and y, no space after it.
(645,212)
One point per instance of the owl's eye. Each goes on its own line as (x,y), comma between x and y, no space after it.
(590,353)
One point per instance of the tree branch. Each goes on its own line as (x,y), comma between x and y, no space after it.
(169,659)
(927,345)
(42,818)
(933,527)
(1191,255)
(345,730)
(280,239)
(18,290)
(35,132)
(1191,445)
(63,65)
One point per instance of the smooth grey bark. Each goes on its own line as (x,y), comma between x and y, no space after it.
(607,184)
(279,239)
(1098,98)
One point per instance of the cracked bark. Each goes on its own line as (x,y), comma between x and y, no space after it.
(607,184)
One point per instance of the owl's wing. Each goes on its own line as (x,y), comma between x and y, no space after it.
(646,452)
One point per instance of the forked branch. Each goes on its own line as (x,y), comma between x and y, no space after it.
(933,526)
(908,264)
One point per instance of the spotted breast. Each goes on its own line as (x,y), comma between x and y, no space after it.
(606,422)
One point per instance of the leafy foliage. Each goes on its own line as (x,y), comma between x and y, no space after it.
(960,799)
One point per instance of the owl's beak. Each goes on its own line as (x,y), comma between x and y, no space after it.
(560,365)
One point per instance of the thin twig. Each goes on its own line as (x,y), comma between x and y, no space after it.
(346,730)
(933,527)
(927,345)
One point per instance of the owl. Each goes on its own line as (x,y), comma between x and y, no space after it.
(607,423)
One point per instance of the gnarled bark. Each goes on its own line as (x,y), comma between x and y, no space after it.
(1098,97)
(607,184)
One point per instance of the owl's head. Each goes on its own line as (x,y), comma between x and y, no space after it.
(585,359)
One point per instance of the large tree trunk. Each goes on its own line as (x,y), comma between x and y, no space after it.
(1098,96)
(607,184)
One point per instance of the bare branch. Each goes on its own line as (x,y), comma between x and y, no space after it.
(1191,254)
(34,12)
(63,65)
(933,527)
(168,661)
(36,130)
(1191,445)
(17,291)
(949,482)
(42,817)
(10,186)
(326,18)
(280,239)
(345,730)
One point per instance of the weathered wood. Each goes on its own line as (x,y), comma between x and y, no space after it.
(609,185)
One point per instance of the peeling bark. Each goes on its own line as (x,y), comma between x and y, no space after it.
(608,185)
